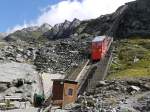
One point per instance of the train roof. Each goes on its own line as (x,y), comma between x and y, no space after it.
(98,38)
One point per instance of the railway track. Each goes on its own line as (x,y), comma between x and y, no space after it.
(78,71)
(88,74)
(100,72)
(95,73)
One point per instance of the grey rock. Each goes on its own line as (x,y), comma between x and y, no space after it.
(3,87)
(133,89)
(101,83)
(45,27)
(19,58)
(3,35)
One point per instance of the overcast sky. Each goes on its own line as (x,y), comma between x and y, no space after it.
(17,14)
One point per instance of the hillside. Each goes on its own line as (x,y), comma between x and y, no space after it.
(28,34)
(39,44)
(131,59)
(29,53)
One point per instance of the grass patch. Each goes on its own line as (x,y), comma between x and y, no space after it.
(131,59)
(130,73)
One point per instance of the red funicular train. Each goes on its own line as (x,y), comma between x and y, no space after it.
(100,46)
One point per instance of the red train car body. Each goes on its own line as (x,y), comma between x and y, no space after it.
(100,46)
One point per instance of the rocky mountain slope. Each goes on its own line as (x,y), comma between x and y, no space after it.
(28,34)
(53,56)
(116,96)
(2,35)
(62,48)
(62,30)
(129,20)
(136,20)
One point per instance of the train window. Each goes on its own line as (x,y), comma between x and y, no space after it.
(70,92)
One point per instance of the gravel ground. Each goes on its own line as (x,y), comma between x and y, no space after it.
(14,70)
(116,96)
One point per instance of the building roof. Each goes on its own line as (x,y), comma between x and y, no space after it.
(65,81)
(99,38)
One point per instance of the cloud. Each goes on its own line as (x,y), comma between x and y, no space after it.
(70,9)
(85,9)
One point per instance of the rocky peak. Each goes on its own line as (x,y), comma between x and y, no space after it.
(2,35)
(26,34)
(55,29)
(131,19)
(30,29)
(58,29)
(66,24)
(75,20)
(45,27)
(75,23)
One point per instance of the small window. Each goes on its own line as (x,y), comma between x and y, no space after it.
(70,92)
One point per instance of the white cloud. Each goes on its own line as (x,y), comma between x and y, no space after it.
(70,9)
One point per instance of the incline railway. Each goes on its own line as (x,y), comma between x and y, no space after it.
(65,91)
(94,69)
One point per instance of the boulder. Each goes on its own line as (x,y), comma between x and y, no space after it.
(3,87)
(101,84)
(133,89)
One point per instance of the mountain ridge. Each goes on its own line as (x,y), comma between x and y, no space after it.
(131,19)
